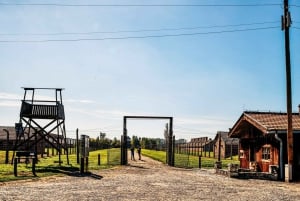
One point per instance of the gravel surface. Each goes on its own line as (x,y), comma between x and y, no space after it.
(148,180)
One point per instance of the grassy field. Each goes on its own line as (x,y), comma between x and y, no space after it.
(49,165)
(188,161)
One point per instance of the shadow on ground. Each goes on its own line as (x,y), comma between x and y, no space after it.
(70,171)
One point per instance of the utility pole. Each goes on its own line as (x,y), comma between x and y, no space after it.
(286,23)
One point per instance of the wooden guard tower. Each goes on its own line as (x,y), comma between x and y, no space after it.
(42,122)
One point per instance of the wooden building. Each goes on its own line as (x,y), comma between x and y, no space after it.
(201,146)
(8,143)
(263,141)
(224,146)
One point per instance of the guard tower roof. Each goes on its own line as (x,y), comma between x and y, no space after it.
(33,88)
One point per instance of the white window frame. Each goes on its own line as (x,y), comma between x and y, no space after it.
(266,153)
(242,153)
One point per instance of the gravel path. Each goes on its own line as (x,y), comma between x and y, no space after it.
(148,180)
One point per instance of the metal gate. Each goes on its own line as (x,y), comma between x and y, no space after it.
(170,139)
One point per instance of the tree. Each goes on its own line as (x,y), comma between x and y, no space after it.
(102,136)
(116,143)
(135,141)
(101,142)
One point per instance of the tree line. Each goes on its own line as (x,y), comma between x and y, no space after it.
(148,143)
(102,142)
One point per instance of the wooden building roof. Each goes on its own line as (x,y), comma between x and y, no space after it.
(12,132)
(265,122)
(226,138)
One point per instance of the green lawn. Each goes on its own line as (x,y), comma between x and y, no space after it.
(189,161)
(156,155)
(49,165)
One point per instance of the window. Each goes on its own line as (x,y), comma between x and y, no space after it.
(242,154)
(266,153)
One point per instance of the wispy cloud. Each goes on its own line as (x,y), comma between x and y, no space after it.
(12,96)
(9,103)
(79,101)
(9,96)
(9,100)
(202,121)
(97,113)
(203,126)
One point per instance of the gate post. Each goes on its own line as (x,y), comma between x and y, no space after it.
(99,163)
(171,147)
(82,165)
(173,152)
(33,166)
(15,167)
(166,135)
(199,162)
(124,144)
(170,150)
(123,150)
(77,147)
(7,146)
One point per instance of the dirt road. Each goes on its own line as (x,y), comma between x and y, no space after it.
(148,180)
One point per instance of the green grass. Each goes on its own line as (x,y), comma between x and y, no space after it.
(48,166)
(156,155)
(189,161)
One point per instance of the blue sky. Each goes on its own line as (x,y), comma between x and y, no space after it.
(204,80)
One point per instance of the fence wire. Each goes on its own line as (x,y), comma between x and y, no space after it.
(114,156)
(182,160)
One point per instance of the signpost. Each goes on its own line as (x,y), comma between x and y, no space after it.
(84,153)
